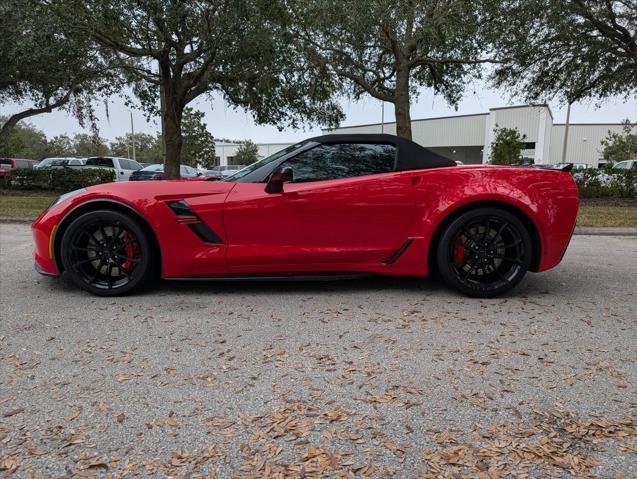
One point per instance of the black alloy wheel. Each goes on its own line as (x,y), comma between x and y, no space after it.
(484,252)
(106,252)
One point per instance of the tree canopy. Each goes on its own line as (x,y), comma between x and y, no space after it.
(199,144)
(390,49)
(622,146)
(565,49)
(46,65)
(188,48)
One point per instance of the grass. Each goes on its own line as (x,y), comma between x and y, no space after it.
(29,207)
(607,216)
(23,207)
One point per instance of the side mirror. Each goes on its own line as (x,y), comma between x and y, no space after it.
(277,178)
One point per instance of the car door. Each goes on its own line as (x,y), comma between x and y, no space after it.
(346,209)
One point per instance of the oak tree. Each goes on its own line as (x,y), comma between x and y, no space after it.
(183,49)
(391,49)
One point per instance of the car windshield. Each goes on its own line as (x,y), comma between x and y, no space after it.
(269,159)
(153,168)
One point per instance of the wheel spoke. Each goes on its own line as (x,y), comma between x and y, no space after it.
(126,258)
(122,270)
(510,245)
(467,233)
(498,235)
(84,261)
(109,278)
(509,259)
(77,248)
(468,273)
(487,229)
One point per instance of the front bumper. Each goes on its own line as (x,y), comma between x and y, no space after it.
(43,230)
(42,272)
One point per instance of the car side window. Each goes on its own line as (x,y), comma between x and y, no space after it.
(342,160)
(104,162)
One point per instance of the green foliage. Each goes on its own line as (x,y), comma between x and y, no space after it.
(391,49)
(89,145)
(24,141)
(148,148)
(620,146)
(247,153)
(594,183)
(507,146)
(58,179)
(240,49)
(570,49)
(48,64)
(199,144)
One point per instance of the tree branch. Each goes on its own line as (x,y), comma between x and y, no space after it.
(48,108)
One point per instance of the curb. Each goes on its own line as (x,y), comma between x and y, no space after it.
(588,230)
(22,221)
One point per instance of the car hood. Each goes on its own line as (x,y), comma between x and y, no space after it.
(155,190)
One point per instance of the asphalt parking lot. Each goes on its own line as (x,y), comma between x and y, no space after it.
(369,378)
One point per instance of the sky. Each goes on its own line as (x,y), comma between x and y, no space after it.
(223,121)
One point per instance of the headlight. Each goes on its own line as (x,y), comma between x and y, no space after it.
(66,196)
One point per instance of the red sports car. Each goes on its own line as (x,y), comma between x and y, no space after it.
(335,205)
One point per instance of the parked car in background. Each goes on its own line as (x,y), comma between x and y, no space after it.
(60,163)
(626,165)
(156,172)
(222,171)
(7,164)
(123,167)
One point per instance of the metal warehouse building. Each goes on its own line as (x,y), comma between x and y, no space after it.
(468,138)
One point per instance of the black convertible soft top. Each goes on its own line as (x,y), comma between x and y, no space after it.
(411,156)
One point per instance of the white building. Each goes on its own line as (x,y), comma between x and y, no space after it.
(225,151)
(468,138)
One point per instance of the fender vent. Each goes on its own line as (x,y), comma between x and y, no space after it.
(185,215)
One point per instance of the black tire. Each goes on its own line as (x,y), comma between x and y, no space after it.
(484,252)
(107,253)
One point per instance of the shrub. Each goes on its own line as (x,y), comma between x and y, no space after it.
(57,179)
(593,183)
(507,146)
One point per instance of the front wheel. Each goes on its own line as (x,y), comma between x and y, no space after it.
(484,252)
(106,252)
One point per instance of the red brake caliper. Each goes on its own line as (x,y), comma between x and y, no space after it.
(130,251)
(458,251)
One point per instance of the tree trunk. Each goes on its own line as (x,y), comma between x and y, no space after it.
(173,111)
(401,105)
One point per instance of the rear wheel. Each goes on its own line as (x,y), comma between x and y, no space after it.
(106,252)
(484,252)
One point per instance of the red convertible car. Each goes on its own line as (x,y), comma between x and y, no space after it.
(335,205)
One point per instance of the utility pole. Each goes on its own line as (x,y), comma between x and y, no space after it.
(382,116)
(132,130)
(162,109)
(568,120)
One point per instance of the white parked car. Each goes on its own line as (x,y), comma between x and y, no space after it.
(123,167)
(60,162)
(626,165)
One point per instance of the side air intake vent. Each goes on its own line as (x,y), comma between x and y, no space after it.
(185,215)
